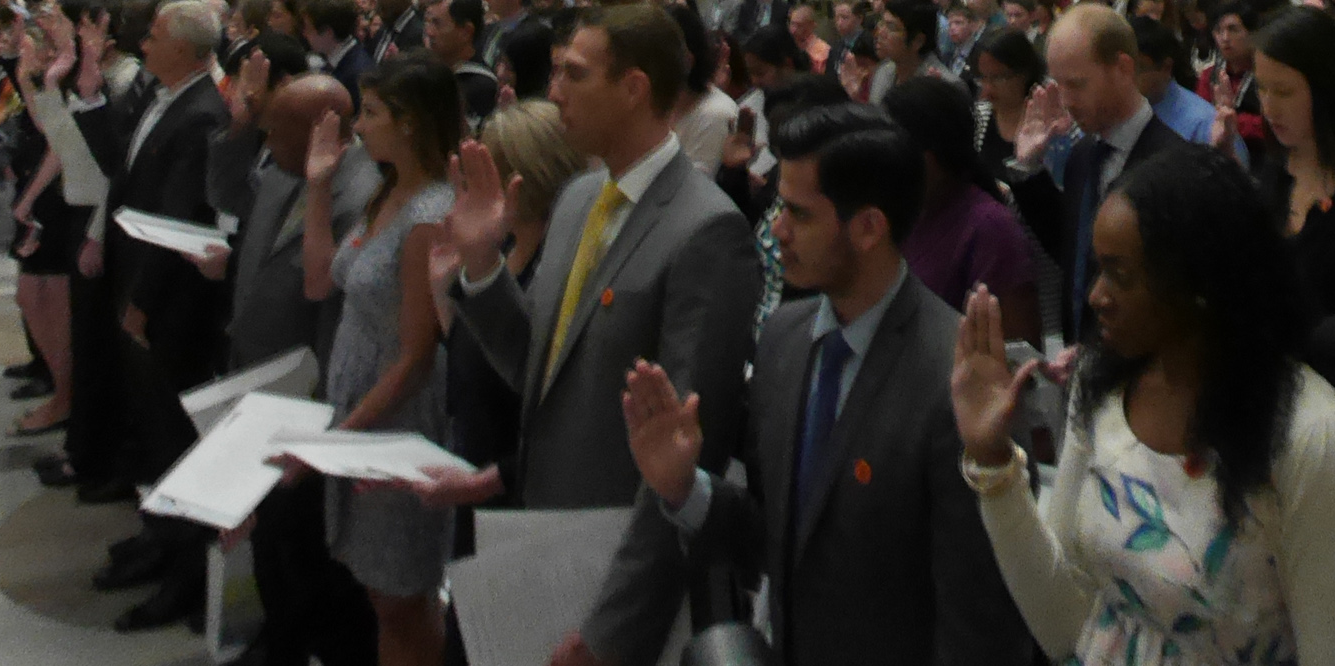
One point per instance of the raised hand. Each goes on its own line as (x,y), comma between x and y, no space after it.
(326,149)
(740,146)
(1223,93)
(1044,118)
(93,41)
(479,221)
(248,91)
(61,32)
(1224,130)
(982,387)
(665,436)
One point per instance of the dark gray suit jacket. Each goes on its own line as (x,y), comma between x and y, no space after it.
(270,313)
(889,563)
(679,285)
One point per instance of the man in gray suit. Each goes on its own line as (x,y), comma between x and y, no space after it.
(644,258)
(856,509)
(313,607)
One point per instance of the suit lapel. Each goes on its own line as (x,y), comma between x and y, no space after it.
(886,348)
(280,234)
(792,380)
(641,220)
(172,117)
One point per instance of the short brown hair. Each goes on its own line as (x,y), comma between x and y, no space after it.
(644,37)
(1109,33)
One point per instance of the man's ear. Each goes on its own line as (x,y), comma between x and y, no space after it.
(868,228)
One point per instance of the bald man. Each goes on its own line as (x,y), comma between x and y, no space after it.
(1092,61)
(802,25)
(313,607)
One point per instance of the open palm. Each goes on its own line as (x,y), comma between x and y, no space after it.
(479,218)
(665,435)
(982,387)
(326,148)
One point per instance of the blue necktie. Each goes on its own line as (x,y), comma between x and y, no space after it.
(1089,208)
(821,411)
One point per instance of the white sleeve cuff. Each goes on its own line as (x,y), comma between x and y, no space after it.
(474,288)
(79,105)
(692,514)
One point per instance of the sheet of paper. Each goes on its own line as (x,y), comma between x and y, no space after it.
(518,597)
(222,479)
(170,233)
(293,373)
(369,455)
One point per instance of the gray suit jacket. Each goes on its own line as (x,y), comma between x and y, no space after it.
(679,285)
(270,313)
(889,562)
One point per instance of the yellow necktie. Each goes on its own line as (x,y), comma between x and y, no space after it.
(586,258)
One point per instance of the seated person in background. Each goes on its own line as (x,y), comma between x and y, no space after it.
(966,235)
(1157,67)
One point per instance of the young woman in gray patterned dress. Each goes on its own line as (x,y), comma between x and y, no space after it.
(386,371)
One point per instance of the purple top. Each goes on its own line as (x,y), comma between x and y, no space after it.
(972,238)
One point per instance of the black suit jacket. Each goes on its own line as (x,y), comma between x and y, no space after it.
(166,178)
(1054,214)
(888,563)
(750,13)
(349,72)
(410,37)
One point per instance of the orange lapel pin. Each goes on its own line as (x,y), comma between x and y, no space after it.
(862,471)
(607,297)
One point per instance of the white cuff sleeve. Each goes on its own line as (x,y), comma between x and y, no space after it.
(692,514)
(474,288)
(79,104)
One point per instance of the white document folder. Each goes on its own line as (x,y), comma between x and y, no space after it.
(222,479)
(368,455)
(170,233)
(294,373)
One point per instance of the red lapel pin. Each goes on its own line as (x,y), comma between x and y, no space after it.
(607,297)
(862,471)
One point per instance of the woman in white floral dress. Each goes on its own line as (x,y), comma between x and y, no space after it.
(1194,507)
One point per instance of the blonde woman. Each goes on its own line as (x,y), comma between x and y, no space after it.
(532,155)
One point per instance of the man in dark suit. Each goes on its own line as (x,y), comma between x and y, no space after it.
(1092,59)
(509,15)
(329,28)
(452,27)
(169,313)
(644,258)
(312,605)
(855,508)
(402,29)
(756,14)
(847,25)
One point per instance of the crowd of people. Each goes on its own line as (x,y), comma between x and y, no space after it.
(602,251)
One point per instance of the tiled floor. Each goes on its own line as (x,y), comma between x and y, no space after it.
(49,548)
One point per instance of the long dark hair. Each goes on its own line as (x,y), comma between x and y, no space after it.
(1201,221)
(418,87)
(1304,38)
(1012,49)
(940,118)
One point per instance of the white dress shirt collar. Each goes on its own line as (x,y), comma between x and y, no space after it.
(341,52)
(637,179)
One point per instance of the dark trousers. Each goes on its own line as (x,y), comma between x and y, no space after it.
(312,604)
(95,433)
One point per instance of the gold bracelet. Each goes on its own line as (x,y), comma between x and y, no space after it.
(987,480)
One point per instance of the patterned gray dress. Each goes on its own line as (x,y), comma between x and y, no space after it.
(387,539)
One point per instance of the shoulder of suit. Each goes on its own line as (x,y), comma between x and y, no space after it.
(791,318)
